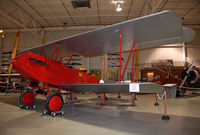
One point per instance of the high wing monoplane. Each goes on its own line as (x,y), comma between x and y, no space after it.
(44,63)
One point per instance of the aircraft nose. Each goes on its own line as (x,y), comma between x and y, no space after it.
(14,61)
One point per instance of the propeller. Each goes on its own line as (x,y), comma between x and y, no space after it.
(13,56)
(187,73)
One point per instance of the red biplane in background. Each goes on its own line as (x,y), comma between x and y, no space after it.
(44,63)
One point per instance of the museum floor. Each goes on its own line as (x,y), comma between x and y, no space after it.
(89,118)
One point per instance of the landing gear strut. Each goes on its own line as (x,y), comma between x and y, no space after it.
(54,102)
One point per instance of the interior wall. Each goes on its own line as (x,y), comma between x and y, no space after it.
(174,53)
(193,49)
(194,53)
(33,39)
(26,40)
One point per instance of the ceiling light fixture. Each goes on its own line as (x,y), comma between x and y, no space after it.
(118,4)
(119,7)
(2,33)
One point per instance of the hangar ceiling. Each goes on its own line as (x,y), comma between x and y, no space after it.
(20,14)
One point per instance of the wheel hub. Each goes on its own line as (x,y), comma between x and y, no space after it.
(55,103)
(28,98)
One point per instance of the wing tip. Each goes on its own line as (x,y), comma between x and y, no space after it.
(188,34)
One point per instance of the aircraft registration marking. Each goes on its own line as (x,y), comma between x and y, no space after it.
(80,74)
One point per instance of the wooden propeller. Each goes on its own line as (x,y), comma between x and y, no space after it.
(14,51)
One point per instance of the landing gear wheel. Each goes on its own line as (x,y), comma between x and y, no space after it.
(27,100)
(54,104)
(165,117)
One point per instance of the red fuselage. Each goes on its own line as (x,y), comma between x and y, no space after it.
(37,67)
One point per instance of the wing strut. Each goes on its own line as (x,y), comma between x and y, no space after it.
(69,59)
(121,75)
(133,61)
(43,53)
(120,61)
(58,50)
(133,66)
(133,48)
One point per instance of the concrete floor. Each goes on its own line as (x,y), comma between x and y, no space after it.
(89,118)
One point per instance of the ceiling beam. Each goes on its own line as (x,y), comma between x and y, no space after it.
(75,27)
(67,11)
(81,16)
(146,8)
(86,28)
(143,7)
(129,10)
(5,14)
(98,12)
(163,6)
(37,12)
(156,5)
(2,27)
(193,26)
(198,3)
(19,7)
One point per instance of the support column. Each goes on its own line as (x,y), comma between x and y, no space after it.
(165,116)
(137,64)
(42,36)
(133,66)
(104,68)
(120,61)
(1,48)
(184,54)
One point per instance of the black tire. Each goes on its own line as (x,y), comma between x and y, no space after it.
(27,99)
(51,100)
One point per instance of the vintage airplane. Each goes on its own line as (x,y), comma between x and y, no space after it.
(44,63)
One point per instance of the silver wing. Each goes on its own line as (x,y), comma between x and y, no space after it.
(145,87)
(148,31)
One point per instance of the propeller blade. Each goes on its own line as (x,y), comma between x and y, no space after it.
(13,55)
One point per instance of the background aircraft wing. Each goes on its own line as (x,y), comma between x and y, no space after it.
(148,31)
(143,87)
